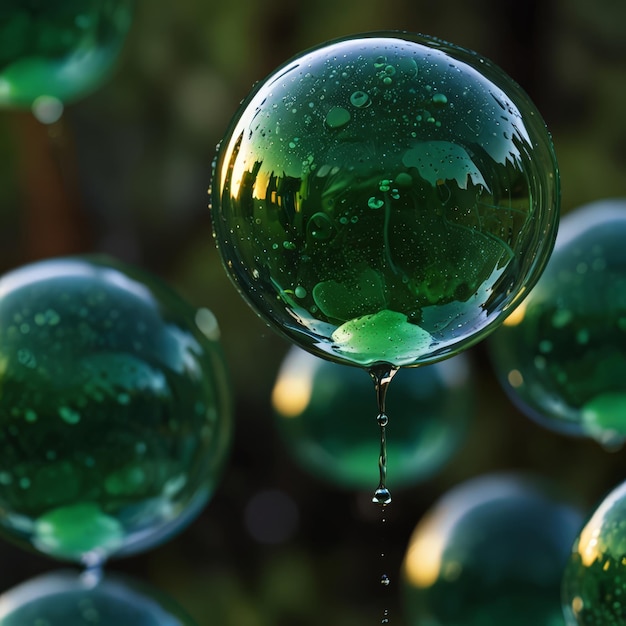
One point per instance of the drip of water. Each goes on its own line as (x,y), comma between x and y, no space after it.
(382,375)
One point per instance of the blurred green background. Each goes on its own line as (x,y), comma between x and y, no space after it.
(126,172)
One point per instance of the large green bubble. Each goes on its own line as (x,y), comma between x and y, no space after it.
(385,198)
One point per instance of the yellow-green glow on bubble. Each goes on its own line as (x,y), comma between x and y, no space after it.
(423,561)
(293,389)
(517,316)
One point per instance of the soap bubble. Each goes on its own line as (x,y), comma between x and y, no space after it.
(385,198)
(64,598)
(594,585)
(58,50)
(320,406)
(562,355)
(115,416)
(490,552)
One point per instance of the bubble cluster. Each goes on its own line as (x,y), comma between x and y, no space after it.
(561,356)
(115,415)
(405,187)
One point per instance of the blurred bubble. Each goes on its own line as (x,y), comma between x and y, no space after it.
(65,598)
(490,552)
(323,413)
(562,355)
(58,50)
(115,412)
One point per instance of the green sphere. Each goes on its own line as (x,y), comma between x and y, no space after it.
(490,552)
(61,49)
(115,414)
(562,355)
(386,198)
(322,408)
(65,598)
(594,584)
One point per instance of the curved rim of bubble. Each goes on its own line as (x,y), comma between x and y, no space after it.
(490,70)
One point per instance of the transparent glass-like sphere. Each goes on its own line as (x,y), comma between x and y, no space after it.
(490,552)
(60,49)
(385,198)
(320,407)
(64,598)
(562,355)
(594,584)
(115,414)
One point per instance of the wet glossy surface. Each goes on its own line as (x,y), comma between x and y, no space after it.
(594,585)
(562,354)
(115,414)
(385,198)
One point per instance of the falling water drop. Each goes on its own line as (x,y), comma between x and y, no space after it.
(382,375)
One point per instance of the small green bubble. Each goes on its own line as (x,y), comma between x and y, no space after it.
(360,99)
(337,117)
(375,203)
(289,245)
(440,99)
(300,292)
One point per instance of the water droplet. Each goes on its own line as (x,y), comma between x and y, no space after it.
(384,580)
(320,226)
(360,99)
(440,99)
(300,292)
(403,180)
(337,117)
(289,245)
(375,203)
(382,496)
(380,62)
(47,109)
(382,419)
